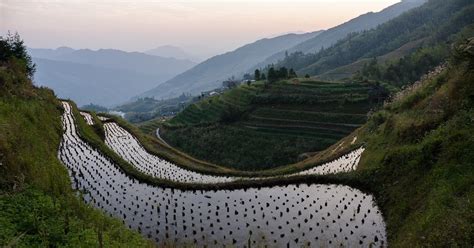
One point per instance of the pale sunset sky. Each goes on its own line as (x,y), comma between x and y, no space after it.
(201,27)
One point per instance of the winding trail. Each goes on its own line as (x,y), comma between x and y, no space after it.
(157,134)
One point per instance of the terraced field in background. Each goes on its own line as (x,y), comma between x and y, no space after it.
(267,125)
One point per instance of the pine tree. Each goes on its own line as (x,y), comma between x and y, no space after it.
(272,75)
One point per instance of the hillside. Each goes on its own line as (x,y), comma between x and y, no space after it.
(435,23)
(72,73)
(209,74)
(329,37)
(269,124)
(419,158)
(38,206)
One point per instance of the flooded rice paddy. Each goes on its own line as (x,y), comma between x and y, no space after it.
(127,146)
(87,118)
(281,216)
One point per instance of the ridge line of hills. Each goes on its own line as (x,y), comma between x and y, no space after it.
(135,72)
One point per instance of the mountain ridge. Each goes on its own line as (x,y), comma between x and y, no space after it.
(332,35)
(192,81)
(170,51)
(210,73)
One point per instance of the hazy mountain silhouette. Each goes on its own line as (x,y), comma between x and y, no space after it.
(76,73)
(169,51)
(89,83)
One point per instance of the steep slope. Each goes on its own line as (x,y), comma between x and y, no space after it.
(38,206)
(91,84)
(210,73)
(332,35)
(435,23)
(419,158)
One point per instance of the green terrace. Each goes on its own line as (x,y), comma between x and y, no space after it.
(300,115)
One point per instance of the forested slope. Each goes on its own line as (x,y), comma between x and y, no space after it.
(430,26)
(331,36)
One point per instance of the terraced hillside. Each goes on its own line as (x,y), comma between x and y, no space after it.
(269,124)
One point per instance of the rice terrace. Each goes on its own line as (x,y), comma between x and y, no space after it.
(354,133)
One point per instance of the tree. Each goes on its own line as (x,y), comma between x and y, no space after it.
(307,76)
(282,73)
(292,74)
(263,77)
(272,75)
(12,47)
(247,76)
(257,75)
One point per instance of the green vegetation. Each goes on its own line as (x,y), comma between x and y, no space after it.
(419,159)
(405,70)
(264,125)
(38,208)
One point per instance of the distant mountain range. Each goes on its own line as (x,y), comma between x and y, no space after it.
(210,73)
(169,51)
(85,83)
(114,75)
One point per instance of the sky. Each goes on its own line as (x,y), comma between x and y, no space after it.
(201,27)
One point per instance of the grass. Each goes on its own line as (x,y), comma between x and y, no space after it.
(419,162)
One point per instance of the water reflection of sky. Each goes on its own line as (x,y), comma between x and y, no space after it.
(293,215)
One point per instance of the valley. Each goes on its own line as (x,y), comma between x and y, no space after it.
(359,135)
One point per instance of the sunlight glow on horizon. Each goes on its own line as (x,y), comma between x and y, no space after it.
(202,27)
